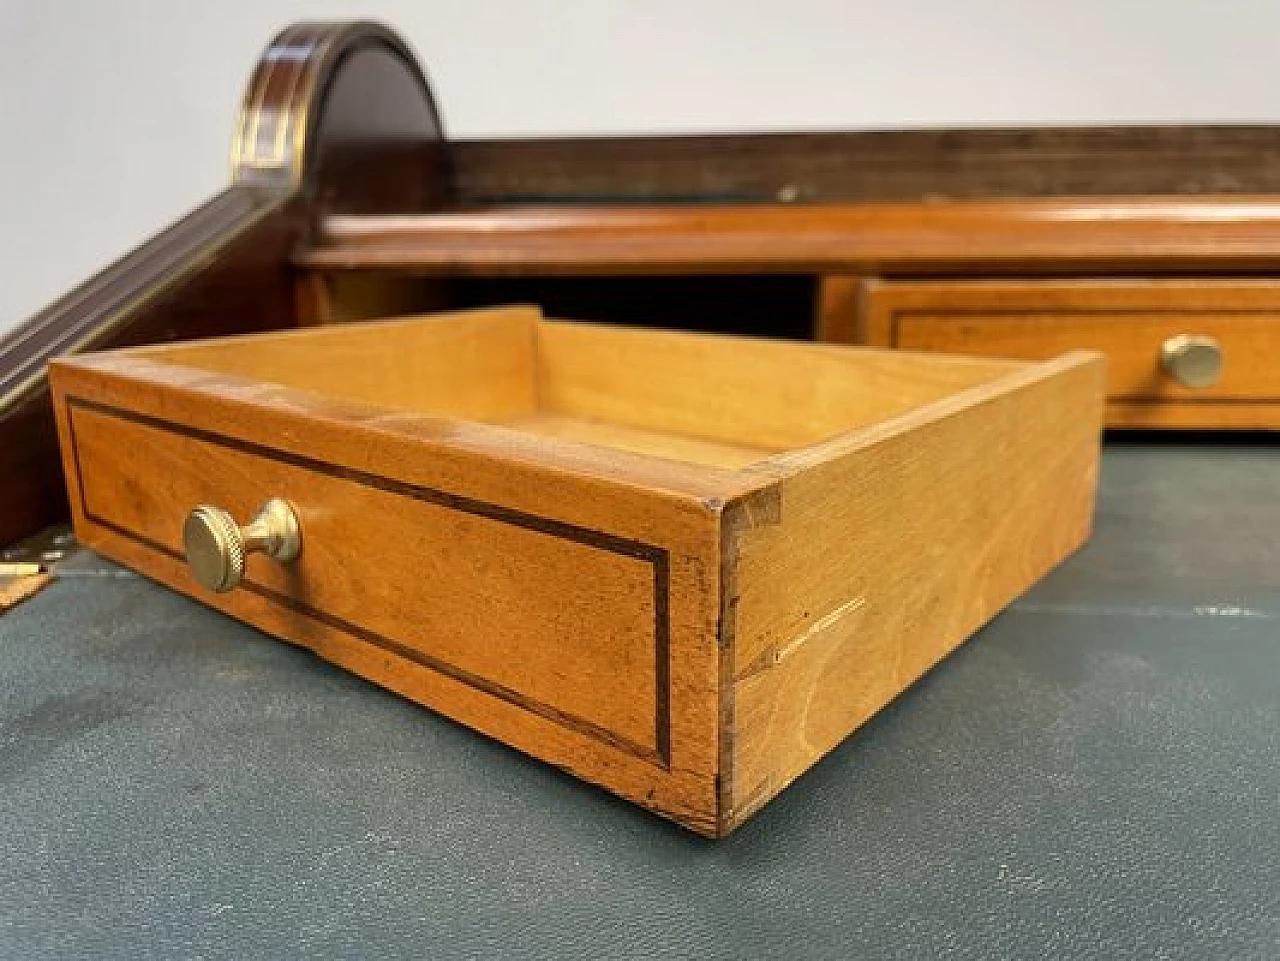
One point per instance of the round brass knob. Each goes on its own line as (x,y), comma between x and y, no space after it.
(217,547)
(1192,360)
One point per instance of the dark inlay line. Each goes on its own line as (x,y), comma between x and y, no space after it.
(499,691)
(662,656)
(1149,400)
(656,556)
(1067,310)
(506,515)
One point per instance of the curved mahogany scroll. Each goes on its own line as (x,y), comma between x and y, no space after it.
(343,113)
(306,140)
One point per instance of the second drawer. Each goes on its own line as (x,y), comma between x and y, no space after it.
(1134,323)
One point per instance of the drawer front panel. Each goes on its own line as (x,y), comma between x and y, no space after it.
(565,622)
(1128,322)
(1132,346)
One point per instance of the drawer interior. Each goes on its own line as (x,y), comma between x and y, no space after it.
(705,399)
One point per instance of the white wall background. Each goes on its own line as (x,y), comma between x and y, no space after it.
(115,115)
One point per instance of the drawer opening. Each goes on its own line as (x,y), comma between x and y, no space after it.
(760,305)
(715,401)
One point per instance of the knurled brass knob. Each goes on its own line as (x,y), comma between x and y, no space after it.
(217,547)
(1192,360)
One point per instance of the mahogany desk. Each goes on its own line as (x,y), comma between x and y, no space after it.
(1095,775)
(1014,242)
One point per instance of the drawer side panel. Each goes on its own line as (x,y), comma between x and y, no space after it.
(880,558)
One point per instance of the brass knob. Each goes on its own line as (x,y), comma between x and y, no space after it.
(217,547)
(1192,360)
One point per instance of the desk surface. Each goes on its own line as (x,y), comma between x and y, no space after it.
(1096,775)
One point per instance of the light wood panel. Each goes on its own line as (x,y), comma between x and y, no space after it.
(693,450)
(483,596)
(755,393)
(926,527)
(476,364)
(1128,320)
(662,613)
(401,517)
(719,400)
(1131,343)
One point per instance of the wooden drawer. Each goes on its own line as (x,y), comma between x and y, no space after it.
(1129,321)
(680,566)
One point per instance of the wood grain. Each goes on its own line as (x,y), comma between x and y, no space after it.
(838,312)
(1128,320)
(926,527)
(676,447)
(1222,416)
(389,559)
(798,204)
(845,166)
(763,394)
(489,580)
(477,364)
(1068,235)
(597,577)
(341,110)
